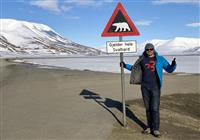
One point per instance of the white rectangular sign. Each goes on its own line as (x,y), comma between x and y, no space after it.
(118,47)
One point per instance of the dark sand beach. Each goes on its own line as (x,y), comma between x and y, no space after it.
(62,104)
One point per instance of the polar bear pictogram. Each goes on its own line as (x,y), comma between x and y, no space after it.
(121,26)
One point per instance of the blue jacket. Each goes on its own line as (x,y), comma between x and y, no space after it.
(136,71)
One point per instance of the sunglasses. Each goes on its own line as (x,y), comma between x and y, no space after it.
(149,49)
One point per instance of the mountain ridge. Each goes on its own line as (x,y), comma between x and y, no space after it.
(175,46)
(29,38)
(22,37)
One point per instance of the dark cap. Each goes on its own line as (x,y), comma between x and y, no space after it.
(149,46)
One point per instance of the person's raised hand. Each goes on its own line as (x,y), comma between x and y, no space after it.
(174,62)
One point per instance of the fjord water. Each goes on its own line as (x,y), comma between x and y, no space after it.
(185,64)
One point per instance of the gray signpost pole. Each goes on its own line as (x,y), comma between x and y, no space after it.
(123,87)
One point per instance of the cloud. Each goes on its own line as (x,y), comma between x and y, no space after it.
(62,6)
(101,2)
(143,22)
(80,2)
(66,8)
(196,24)
(72,17)
(176,1)
(67,5)
(87,2)
(51,5)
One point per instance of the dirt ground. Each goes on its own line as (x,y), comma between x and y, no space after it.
(62,104)
(180,119)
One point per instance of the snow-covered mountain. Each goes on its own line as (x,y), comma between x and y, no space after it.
(178,45)
(21,37)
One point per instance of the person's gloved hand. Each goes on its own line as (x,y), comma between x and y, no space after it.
(174,62)
(122,64)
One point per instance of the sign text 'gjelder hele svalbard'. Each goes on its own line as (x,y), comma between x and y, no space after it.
(117,47)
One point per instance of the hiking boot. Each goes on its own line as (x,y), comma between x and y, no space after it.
(146,131)
(156,133)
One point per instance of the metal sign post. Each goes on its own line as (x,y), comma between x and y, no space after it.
(123,86)
(120,24)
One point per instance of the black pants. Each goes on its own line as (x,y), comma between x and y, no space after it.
(151,98)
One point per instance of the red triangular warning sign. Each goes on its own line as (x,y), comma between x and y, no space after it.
(120,24)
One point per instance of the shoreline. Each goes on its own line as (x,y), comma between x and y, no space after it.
(183,79)
(80,56)
(18,61)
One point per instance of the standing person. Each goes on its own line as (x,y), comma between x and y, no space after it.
(147,71)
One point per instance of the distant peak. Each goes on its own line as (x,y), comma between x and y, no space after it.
(26,23)
(184,38)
